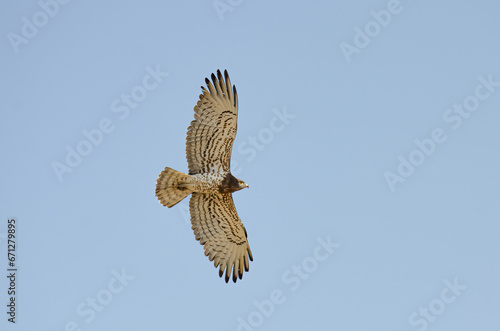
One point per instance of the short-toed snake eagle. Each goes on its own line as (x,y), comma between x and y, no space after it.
(209,142)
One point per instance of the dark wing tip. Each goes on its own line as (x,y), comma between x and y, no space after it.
(220,273)
(221,80)
(235,96)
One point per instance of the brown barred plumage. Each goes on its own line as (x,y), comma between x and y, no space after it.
(209,142)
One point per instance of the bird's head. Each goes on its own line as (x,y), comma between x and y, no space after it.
(241,184)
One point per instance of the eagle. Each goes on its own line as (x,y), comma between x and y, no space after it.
(209,143)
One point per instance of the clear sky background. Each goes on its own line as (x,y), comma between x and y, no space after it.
(368,133)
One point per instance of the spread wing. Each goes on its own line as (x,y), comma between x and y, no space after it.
(210,136)
(218,228)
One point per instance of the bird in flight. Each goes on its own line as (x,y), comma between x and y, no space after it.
(209,142)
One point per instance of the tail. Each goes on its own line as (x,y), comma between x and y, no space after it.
(169,187)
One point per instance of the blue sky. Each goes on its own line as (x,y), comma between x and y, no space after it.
(368,133)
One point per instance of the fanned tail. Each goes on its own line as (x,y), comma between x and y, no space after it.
(171,188)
